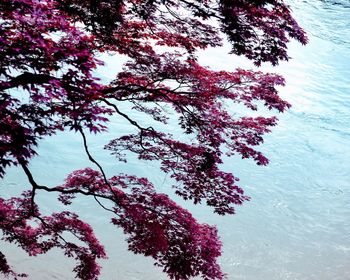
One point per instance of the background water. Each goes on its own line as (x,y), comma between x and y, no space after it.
(297,225)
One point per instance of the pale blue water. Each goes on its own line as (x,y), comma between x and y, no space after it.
(297,225)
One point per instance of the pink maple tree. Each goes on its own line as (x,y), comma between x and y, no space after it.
(48,55)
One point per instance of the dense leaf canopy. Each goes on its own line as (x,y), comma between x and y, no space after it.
(48,58)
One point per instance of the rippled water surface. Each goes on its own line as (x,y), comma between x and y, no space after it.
(297,225)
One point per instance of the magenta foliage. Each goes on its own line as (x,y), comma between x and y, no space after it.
(156,225)
(17,218)
(48,55)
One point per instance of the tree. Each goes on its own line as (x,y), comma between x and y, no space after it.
(48,55)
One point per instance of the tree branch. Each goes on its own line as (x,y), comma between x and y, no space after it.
(25,79)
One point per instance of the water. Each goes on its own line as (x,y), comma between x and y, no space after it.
(297,225)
